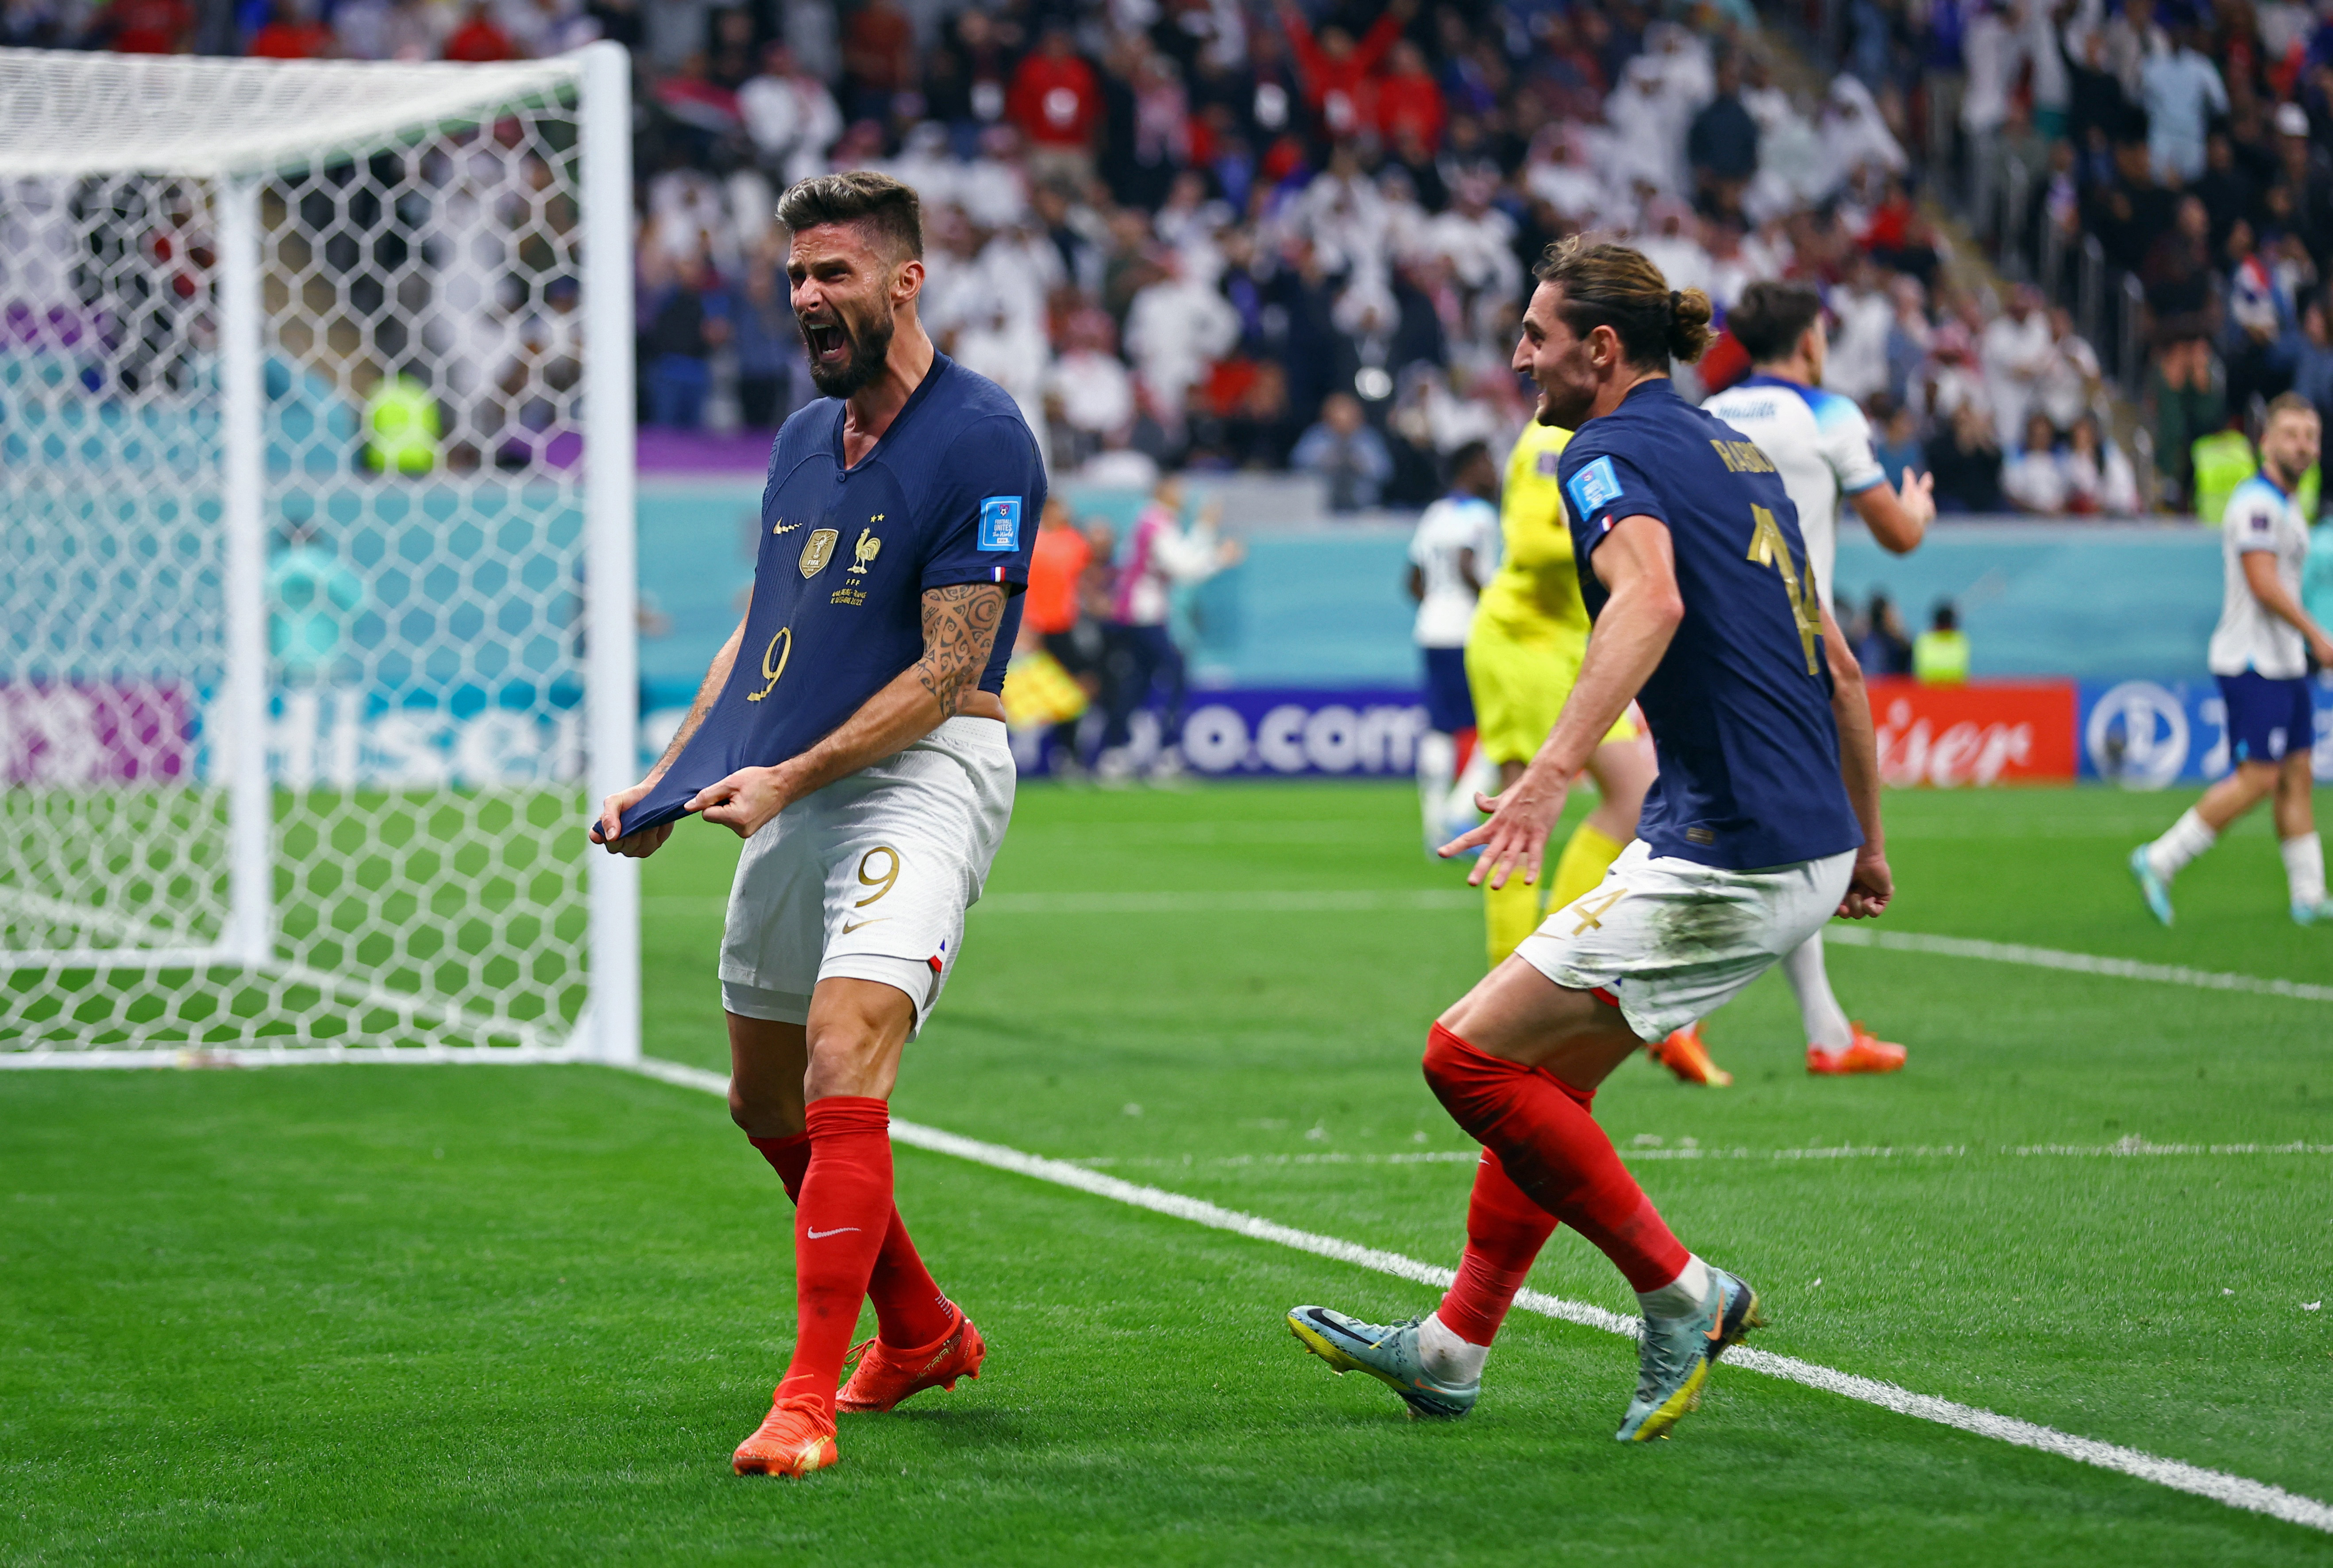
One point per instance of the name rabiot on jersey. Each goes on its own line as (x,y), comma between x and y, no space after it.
(1821,443)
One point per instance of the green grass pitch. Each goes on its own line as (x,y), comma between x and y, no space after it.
(504,1315)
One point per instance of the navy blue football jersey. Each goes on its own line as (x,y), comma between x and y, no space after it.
(950,494)
(1740,705)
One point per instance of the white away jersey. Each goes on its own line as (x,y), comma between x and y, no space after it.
(1821,443)
(2260,517)
(1451,525)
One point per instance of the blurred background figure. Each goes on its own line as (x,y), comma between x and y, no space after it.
(1940,656)
(1451,555)
(1160,555)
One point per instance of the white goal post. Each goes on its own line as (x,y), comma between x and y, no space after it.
(317,622)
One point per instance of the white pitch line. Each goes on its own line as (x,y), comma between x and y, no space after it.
(2127,1149)
(2073,963)
(2218,1486)
(1422,900)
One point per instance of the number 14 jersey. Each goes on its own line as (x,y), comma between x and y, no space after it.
(1740,705)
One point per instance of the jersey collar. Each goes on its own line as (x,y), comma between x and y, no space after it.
(940,363)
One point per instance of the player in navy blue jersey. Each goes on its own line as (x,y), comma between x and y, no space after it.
(852,733)
(1763,823)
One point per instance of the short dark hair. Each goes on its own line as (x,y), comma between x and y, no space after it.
(1771,317)
(1458,462)
(1614,286)
(891,211)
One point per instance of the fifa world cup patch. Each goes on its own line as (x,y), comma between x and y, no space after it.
(1000,523)
(1594,486)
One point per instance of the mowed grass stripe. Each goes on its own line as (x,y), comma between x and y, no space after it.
(2217,1486)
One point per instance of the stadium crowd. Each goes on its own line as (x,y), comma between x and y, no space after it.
(1229,234)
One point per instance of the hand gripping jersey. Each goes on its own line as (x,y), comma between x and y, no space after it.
(1740,705)
(2260,517)
(1534,596)
(1821,443)
(951,494)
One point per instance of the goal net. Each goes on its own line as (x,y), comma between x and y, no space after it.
(316,575)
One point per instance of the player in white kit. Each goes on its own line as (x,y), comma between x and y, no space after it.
(2260,656)
(1822,445)
(1451,555)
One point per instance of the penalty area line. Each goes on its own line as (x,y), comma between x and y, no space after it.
(2217,1486)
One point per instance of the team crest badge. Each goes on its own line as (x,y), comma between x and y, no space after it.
(817,550)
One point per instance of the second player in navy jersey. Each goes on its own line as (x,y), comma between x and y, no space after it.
(1765,821)
(1747,742)
(851,731)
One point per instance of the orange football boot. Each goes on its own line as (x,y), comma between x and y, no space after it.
(793,1439)
(1864,1053)
(885,1376)
(1684,1054)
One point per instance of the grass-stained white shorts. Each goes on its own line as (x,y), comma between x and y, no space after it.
(869,877)
(1672,940)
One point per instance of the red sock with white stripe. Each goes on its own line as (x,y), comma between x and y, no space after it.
(910,1310)
(1551,1148)
(840,1221)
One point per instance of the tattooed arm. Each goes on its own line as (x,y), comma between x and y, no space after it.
(960,625)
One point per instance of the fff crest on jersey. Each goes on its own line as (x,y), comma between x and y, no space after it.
(818,550)
(867,549)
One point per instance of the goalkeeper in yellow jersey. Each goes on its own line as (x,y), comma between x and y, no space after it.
(1522,655)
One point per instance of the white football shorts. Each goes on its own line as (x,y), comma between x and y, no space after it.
(1672,940)
(869,877)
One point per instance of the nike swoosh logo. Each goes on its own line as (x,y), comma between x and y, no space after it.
(785,528)
(822,1235)
(850,925)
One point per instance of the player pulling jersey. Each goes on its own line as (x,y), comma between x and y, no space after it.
(1760,826)
(851,731)
(2260,655)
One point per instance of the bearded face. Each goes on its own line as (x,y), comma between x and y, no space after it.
(1557,362)
(848,340)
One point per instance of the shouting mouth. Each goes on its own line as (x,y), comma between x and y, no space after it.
(830,344)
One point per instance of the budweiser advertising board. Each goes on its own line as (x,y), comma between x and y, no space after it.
(1986,732)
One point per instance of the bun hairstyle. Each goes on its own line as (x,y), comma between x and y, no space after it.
(1613,286)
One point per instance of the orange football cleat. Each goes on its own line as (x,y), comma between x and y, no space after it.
(885,1376)
(1864,1053)
(1684,1054)
(793,1439)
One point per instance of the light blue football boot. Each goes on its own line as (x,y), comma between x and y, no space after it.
(2151,887)
(2319,912)
(1675,1354)
(1388,1352)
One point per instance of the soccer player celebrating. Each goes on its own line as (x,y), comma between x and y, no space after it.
(853,734)
(1763,822)
(1821,445)
(2258,653)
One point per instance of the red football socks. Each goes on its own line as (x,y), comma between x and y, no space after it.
(1505,1231)
(1552,1149)
(909,1307)
(841,1219)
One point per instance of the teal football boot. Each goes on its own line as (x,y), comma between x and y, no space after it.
(1388,1352)
(2151,887)
(1676,1352)
(2319,912)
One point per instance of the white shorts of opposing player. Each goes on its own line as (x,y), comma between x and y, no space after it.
(869,877)
(1673,941)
